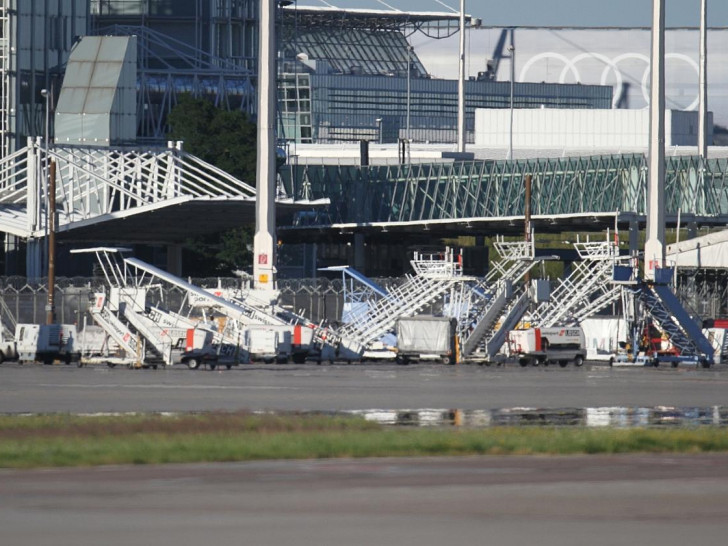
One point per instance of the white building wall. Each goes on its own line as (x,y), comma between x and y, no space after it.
(570,128)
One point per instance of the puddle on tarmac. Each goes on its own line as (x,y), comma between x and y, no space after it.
(620,417)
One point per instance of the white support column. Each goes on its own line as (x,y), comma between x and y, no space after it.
(461,81)
(703,77)
(655,242)
(264,242)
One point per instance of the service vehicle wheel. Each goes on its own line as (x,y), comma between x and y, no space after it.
(579,361)
(193,363)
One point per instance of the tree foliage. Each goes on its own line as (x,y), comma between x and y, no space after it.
(226,139)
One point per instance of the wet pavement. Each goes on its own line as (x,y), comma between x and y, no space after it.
(591,395)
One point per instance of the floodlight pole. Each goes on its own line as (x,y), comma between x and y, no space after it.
(46,96)
(51,302)
(655,239)
(703,96)
(409,88)
(461,81)
(512,50)
(264,241)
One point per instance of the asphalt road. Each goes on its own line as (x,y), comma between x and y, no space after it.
(545,501)
(42,389)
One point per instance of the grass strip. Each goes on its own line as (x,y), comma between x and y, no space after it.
(47,441)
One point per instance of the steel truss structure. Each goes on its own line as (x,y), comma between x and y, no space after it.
(433,24)
(5,68)
(493,189)
(95,182)
(168,67)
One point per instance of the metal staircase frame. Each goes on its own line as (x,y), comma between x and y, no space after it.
(495,294)
(587,290)
(5,72)
(131,345)
(434,275)
(672,319)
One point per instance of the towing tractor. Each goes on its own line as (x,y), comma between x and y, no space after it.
(535,346)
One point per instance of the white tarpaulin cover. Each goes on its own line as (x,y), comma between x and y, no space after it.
(603,335)
(707,251)
(424,335)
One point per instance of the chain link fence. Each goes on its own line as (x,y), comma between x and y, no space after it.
(22,302)
(320,299)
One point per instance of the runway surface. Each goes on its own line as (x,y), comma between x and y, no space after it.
(42,389)
(562,501)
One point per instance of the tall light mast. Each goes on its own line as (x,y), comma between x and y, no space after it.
(461,81)
(703,77)
(655,241)
(264,242)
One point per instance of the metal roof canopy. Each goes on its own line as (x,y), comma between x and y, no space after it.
(172,223)
(432,24)
(506,225)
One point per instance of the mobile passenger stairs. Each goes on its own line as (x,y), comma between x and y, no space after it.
(131,281)
(136,333)
(659,303)
(495,304)
(434,276)
(587,290)
(120,346)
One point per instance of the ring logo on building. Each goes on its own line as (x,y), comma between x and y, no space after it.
(588,60)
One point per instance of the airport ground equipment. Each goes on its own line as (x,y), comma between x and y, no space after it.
(120,345)
(497,303)
(587,290)
(534,346)
(131,280)
(360,292)
(426,337)
(689,344)
(47,343)
(8,349)
(434,275)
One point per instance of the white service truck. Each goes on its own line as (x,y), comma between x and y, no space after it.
(535,346)
(8,350)
(47,343)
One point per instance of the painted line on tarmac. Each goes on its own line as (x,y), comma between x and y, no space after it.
(148,386)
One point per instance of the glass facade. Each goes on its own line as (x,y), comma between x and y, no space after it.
(347,107)
(35,43)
